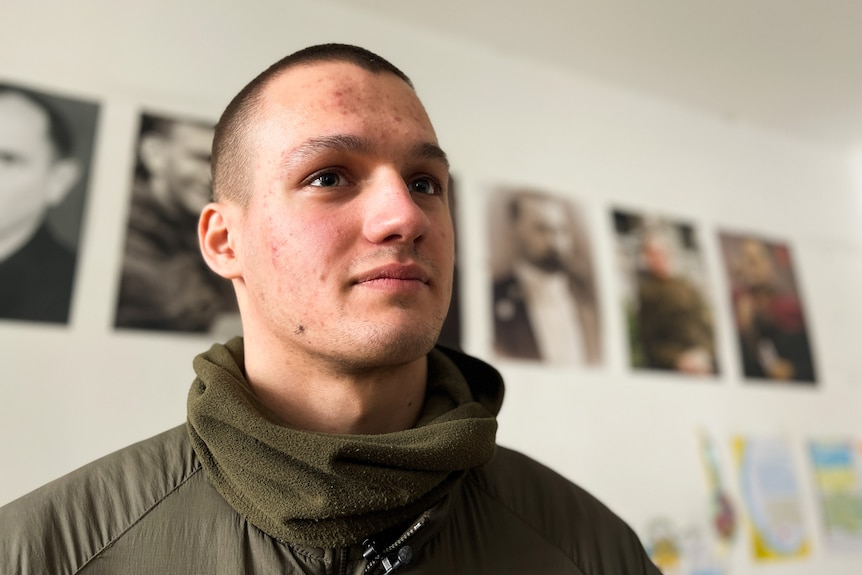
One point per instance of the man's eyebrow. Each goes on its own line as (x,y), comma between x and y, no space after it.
(360,145)
(429,151)
(335,143)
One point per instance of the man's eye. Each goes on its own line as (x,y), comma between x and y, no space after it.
(328,180)
(426,186)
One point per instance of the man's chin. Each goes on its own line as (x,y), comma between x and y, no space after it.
(408,346)
(392,346)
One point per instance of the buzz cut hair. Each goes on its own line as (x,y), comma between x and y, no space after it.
(231,162)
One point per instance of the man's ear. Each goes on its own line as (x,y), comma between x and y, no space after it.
(62,178)
(217,240)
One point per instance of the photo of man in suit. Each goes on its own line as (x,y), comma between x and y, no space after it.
(545,303)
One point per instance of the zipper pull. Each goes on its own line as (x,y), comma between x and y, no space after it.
(370,549)
(405,554)
(395,555)
(390,561)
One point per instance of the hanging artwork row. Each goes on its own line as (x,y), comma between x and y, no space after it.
(543,298)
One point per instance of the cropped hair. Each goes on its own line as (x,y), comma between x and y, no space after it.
(230,154)
(62,139)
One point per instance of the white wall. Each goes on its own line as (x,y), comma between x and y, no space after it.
(68,395)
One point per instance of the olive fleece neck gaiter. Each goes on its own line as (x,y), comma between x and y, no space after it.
(329,490)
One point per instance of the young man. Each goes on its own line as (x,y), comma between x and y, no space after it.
(334,437)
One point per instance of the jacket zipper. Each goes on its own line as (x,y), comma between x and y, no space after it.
(343,559)
(395,549)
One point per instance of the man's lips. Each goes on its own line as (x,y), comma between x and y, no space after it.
(399,272)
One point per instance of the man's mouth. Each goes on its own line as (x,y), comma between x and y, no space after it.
(394,273)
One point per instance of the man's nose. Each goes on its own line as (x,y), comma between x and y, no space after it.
(391,211)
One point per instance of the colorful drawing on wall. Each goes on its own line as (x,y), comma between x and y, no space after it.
(668,313)
(771,494)
(700,556)
(837,467)
(685,550)
(46,145)
(768,312)
(661,541)
(165,284)
(723,510)
(545,300)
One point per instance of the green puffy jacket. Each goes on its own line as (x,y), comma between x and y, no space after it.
(150,509)
(154,508)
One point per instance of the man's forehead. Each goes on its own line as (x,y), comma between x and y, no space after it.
(303,83)
(333,96)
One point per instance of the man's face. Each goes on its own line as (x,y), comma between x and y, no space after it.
(543,233)
(30,177)
(346,246)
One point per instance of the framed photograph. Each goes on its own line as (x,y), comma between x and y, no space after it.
(451,332)
(46,148)
(771,331)
(165,285)
(669,317)
(545,305)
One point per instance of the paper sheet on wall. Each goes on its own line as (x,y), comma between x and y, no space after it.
(837,469)
(771,493)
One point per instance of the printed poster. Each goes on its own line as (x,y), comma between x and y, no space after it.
(723,510)
(544,291)
(771,494)
(837,469)
(768,313)
(667,306)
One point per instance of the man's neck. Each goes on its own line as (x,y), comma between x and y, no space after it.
(316,397)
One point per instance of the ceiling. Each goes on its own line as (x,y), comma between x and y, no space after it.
(787,65)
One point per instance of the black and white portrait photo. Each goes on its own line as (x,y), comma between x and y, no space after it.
(46,143)
(545,300)
(165,284)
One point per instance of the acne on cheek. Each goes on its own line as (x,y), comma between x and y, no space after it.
(323,242)
(274,251)
(274,245)
(284,245)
